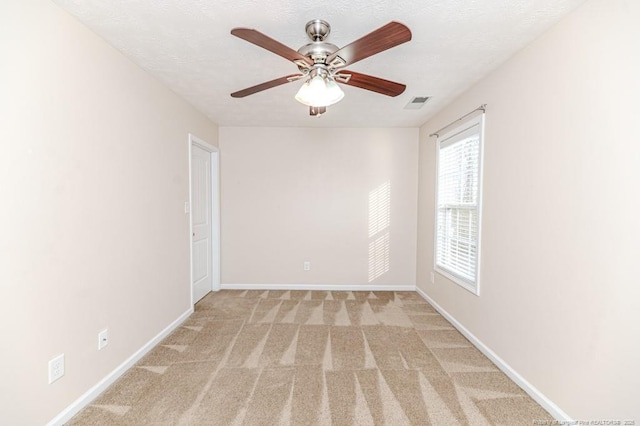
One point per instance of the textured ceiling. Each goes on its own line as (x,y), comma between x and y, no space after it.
(187,45)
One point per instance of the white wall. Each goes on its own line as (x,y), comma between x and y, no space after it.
(296,194)
(560,299)
(93,180)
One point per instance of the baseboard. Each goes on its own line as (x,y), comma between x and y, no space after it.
(103,384)
(534,393)
(321,287)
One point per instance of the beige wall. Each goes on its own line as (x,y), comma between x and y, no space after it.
(560,299)
(296,194)
(93,180)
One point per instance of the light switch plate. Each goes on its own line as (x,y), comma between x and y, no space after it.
(103,338)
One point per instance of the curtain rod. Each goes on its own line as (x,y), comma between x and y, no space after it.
(482,108)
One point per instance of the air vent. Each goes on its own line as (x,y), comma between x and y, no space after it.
(417,102)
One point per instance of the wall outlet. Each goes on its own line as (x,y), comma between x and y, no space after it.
(306,266)
(56,368)
(187,207)
(433,277)
(103,338)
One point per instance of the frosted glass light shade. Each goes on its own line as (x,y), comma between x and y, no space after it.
(319,92)
(333,93)
(303,95)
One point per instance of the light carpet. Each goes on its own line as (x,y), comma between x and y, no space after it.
(313,358)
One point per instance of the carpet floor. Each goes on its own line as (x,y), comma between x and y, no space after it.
(313,358)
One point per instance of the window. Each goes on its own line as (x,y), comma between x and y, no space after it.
(458,197)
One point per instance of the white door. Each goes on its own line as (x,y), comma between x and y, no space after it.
(201,222)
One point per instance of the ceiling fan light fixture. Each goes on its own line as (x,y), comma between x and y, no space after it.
(319,91)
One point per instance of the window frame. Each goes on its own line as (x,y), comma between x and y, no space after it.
(472,286)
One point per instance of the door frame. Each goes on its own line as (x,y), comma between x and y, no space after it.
(214,153)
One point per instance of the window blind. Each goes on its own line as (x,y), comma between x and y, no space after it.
(458,204)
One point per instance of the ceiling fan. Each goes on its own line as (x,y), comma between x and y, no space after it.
(322,64)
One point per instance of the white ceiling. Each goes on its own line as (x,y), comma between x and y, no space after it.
(187,45)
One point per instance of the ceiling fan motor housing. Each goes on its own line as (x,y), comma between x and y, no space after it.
(318,51)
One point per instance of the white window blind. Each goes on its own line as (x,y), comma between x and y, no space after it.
(458,204)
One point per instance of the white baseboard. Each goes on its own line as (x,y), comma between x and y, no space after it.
(321,287)
(107,381)
(534,393)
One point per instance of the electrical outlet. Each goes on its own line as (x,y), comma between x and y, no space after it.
(306,266)
(187,207)
(56,368)
(433,278)
(103,338)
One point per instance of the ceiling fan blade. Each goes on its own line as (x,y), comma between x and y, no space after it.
(266,85)
(385,37)
(259,39)
(375,84)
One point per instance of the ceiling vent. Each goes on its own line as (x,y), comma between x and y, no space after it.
(417,102)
